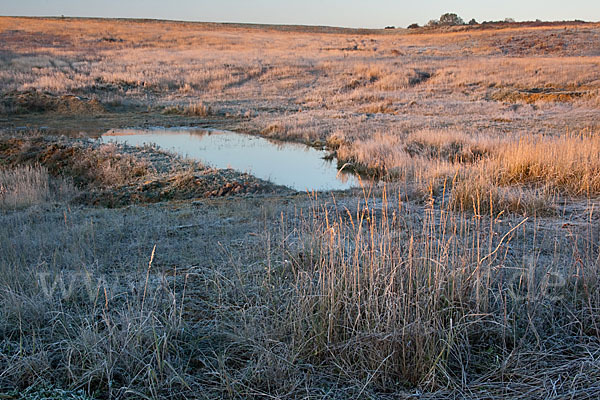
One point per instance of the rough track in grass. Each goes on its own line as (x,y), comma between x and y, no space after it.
(115,175)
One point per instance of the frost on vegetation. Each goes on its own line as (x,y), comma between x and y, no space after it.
(47,393)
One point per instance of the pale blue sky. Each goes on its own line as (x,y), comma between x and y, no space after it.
(351,13)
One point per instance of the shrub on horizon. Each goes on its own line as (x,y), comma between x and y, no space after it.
(451,19)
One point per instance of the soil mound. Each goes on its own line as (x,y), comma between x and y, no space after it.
(33,101)
(113,176)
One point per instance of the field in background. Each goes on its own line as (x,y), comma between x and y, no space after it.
(470,271)
(424,105)
(308,85)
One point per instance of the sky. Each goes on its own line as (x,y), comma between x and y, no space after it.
(346,13)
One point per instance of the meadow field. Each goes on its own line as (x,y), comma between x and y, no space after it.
(466,265)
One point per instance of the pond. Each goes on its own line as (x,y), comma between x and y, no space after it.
(294,165)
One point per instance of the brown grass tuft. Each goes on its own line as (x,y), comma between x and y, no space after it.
(192,110)
(569,163)
(28,185)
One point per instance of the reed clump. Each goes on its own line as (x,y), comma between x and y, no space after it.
(393,298)
(569,163)
(27,185)
(524,174)
(528,175)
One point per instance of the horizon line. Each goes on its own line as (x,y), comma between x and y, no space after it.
(257,24)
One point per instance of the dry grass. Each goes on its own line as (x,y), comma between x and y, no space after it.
(316,82)
(88,164)
(569,163)
(106,166)
(29,185)
(522,174)
(467,294)
(450,145)
(113,332)
(529,174)
(385,107)
(433,300)
(357,296)
(393,153)
(86,303)
(381,152)
(372,299)
(196,110)
(477,193)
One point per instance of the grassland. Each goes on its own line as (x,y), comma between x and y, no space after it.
(470,271)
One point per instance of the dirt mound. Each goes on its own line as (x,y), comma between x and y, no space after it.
(182,186)
(113,176)
(33,101)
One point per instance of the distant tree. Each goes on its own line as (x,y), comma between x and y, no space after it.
(451,19)
(509,20)
(390,27)
(433,22)
(413,26)
(473,22)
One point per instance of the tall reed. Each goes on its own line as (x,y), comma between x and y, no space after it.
(389,295)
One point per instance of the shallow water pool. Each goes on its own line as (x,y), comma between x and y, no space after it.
(290,164)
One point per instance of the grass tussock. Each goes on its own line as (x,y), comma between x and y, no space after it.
(394,153)
(191,110)
(106,167)
(29,185)
(35,101)
(379,152)
(483,173)
(450,145)
(385,107)
(528,175)
(477,194)
(425,161)
(569,163)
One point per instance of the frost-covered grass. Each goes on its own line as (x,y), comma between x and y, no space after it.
(48,393)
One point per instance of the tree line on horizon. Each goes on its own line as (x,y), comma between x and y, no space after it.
(453,19)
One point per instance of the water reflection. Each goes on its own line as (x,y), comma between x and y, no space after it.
(294,165)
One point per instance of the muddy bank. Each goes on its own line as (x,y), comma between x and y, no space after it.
(114,175)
